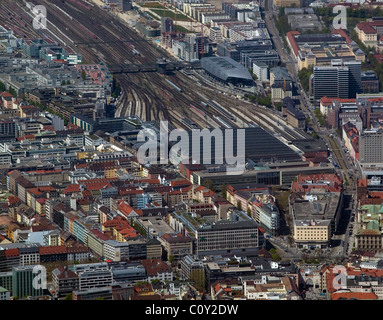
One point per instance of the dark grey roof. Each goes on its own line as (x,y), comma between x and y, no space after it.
(229,225)
(28,250)
(225,67)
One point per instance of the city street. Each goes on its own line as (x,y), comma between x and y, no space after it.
(342,240)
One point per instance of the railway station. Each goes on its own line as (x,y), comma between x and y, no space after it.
(227,70)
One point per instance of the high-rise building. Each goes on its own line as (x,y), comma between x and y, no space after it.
(371,146)
(331,81)
(24,282)
(125,5)
(167,25)
(340,80)
(354,73)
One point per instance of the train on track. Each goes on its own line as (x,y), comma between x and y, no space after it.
(219,109)
(222,122)
(173,85)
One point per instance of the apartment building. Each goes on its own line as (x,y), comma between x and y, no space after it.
(64,281)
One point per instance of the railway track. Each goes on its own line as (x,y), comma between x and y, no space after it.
(102,37)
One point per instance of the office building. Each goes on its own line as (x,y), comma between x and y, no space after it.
(227,238)
(331,82)
(371,146)
(24,283)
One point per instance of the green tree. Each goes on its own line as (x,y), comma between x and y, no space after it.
(83,75)
(319,116)
(116,89)
(278,106)
(2,86)
(12,91)
(224,190)
(68,297)
(239,205)
(304,77)
(208,183)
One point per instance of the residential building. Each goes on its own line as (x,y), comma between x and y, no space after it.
(157,269)
(64,281)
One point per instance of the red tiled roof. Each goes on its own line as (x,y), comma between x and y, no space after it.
(46,188)
(290,36)
(72,188)
(328,101)
(177,183)
(98,186)
(6,94)
(65,273)
(366,27)
(13,199)
(12,253)
(155,266)
(343,34)
(77,249)
(99,234)
(126,209)
(42,228)
(354,295)
(150,181)
(199,188)
(52,250)
(100,180)
(35,191)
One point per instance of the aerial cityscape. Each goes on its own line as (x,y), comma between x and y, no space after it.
(211,150)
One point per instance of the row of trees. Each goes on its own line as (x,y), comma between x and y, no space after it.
(11,90)
(304,77)
(371,62)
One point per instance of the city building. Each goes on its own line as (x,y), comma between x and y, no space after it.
(23,283)
(312,49)
(192,268)
(315,204)
(64,281)
(176,245)
(331,82)
(261,70)
(227,238)
(227,70)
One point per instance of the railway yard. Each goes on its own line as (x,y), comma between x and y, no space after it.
(99,36)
